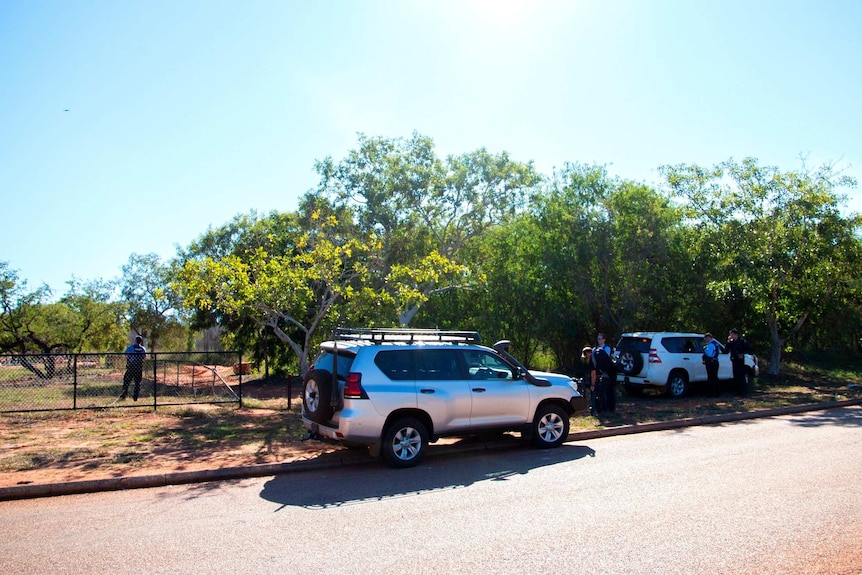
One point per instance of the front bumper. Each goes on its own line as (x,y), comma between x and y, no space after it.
(579,404)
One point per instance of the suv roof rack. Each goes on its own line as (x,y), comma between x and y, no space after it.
(406,335)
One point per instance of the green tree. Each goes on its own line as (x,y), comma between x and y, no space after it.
(83,320)
(592,253)
(603,254)
(571,231)
(422,209)
(28,322)
(411,287)
(153,306)
(514,301)
(781,246)
(278,234)
(290,293)
(97,322)
(274,232)
(648,274)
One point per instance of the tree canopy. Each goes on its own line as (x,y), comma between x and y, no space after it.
(396,235)
(779,247)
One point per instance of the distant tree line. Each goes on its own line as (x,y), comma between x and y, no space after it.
(395,235)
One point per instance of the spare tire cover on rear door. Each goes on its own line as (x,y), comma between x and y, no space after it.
(317,395)
(630,362)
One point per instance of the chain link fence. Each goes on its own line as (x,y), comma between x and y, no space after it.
(46,382)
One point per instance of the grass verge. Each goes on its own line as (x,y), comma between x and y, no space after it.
(268,428)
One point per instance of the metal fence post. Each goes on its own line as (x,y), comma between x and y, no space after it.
(239,386)
(155,381)
(75,381)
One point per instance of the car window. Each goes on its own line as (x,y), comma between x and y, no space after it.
(682,344)
(485,365)
(437,364)
(396,364)
(641,344)
(324,361)
(672,344)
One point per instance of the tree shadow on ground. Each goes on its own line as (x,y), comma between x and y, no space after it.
(845,417)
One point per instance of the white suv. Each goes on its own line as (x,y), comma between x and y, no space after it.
(397,390)
(672,361)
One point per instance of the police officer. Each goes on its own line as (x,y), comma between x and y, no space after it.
(737,347)
(603,377)
(582,372)
(710,360)
(587,383)
(135,355)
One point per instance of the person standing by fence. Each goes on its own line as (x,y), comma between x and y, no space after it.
(135,355)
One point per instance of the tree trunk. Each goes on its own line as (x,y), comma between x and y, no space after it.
(406,316)
(777,346)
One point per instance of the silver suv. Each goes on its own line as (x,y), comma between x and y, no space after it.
(397,390)
(670,360)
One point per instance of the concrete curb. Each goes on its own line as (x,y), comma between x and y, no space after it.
(350,458)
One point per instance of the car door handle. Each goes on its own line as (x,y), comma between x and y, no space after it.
(426,390)
(479,389)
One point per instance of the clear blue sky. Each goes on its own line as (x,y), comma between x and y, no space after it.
(182,114)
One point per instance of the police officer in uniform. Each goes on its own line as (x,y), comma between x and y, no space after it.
(738,347)
(135,355)
(582,373)
(710,360)
(603,377)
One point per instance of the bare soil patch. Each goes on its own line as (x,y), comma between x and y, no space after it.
(63,446)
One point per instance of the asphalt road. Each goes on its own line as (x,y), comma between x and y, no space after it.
(766,496)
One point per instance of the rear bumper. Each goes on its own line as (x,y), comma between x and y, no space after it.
(628,381)
(352,432)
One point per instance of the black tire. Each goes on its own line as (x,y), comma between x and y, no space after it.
(404,443)
(630,362)
(677,384)
(550,426)
(317,395)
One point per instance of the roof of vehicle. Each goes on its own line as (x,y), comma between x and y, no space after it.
(406,335)
(366,337)
(652,334)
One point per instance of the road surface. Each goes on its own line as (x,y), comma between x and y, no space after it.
(768,496)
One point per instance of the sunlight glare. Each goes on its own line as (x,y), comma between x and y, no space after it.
(501,13)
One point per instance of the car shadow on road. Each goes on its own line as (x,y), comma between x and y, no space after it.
(439,471)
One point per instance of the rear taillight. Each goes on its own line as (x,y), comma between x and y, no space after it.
(653,356)
(353,386)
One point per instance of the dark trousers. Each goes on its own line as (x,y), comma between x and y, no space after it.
(610,392)
(133,372)
(597,402)
(712,376)
(604,396)
(740,378)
